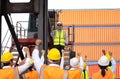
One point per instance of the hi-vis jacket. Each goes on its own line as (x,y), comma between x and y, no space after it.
(52,72)
(98,75)
(75,74)
(31,75)
(59,38)
(9,73)
(85,74)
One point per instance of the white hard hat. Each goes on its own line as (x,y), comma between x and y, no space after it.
(74,62)
(103,61)
(59,22)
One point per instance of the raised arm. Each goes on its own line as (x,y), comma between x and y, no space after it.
(113,69)
(81,60)
(38,62)
(62,60)
(28,62)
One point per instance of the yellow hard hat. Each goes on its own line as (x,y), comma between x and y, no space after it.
(54,54)
(6,57)
(108,56)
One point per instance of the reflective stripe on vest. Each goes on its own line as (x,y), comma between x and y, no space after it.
(85,74)
(42,71)
(59,38)
(65,74)
(16,73)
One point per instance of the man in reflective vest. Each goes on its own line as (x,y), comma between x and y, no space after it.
(59,37)
(52,70)
(10,72)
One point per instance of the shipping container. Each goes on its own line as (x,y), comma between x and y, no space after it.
(90,17)
(94,52)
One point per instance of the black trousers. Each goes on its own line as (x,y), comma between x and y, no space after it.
(59,47)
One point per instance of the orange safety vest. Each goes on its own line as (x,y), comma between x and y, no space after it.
(52,72)
(9,73)
(31,75)
(75,74)
(98,75)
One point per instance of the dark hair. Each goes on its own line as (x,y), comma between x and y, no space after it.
(110,64)
(103,68)
(7,63)
(53,61)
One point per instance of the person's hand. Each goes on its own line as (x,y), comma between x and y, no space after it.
(27,51)
(103,51)
(78,55)
(52,28)
(38,42)
(43,52)
(85,58)
(110,53)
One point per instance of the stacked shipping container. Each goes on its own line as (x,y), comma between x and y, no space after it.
(94,30)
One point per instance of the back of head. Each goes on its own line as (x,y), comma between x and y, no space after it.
(74,62)
(6,57)
(54,54)
(103,63)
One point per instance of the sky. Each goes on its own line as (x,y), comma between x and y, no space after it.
(83,4)
(62,4)
(79,4)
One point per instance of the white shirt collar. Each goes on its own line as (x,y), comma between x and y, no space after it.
(6,67)
(54,65)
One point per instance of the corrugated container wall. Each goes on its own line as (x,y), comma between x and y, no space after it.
(90,17)
(94,30)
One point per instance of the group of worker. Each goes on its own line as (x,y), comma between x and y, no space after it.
(55,58)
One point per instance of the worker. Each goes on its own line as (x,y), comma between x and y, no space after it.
(112,63)
(75,71)
(104,73)
(10,72)
(85,73)
(52,70)
(76,66)
(59,37)
(30,73)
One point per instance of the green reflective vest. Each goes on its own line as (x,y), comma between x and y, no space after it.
(59,38)
(85,74)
